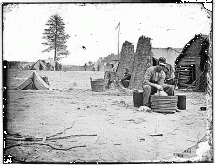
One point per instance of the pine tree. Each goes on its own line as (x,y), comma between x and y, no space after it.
(56,37)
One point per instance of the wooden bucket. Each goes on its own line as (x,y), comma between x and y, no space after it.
(164,104)
(138,98)
(97,85)
(181,101)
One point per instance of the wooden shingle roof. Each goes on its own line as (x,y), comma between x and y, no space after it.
(183,52)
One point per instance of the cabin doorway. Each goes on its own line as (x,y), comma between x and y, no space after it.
(192,73)
(187,75)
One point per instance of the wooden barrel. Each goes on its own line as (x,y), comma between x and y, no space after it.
(181,101)
(97,85)
(164,104)
(138,98)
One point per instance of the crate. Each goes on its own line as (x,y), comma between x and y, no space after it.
(164,104)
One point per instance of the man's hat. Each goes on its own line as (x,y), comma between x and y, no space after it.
(162,61)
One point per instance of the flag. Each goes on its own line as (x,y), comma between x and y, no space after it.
(117,25)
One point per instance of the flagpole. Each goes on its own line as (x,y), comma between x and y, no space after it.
(118,38)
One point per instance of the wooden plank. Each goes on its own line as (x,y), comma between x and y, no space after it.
(184,73)
(163,108)
(164,97)
(184,67)
(161,103)
(164,101)
(164,105)
(183,81)
(184,78)
(165,111)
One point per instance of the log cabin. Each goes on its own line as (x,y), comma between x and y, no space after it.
(191,64)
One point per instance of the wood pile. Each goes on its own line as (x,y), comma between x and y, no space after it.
(141,58)
(164,104)
(184,76)
(126,58)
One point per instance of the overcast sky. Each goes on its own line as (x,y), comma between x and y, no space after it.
(93,26)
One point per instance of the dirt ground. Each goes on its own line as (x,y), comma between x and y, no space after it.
(101,126)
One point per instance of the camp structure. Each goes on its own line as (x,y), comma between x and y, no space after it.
(145,56)
(39,65)
(46,65)
(50,63)
(191,64)
(99,65)
(34,82)
(169,53)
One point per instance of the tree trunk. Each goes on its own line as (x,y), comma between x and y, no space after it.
(55,49)
(55,60)
(55,55)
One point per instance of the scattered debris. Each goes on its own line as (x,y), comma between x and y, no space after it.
(158,134)
(116,144)
(141,139)
(30,140)
(37,143)
(136,121)
(144,109)
(203,108)
(75,84)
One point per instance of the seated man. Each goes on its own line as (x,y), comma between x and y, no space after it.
(126,78)
(154,80)
(169,71)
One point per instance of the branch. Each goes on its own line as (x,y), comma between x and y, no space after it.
(20,138)
(48,49)
(46,144)
(47,138)
(65,137)
(62,131)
